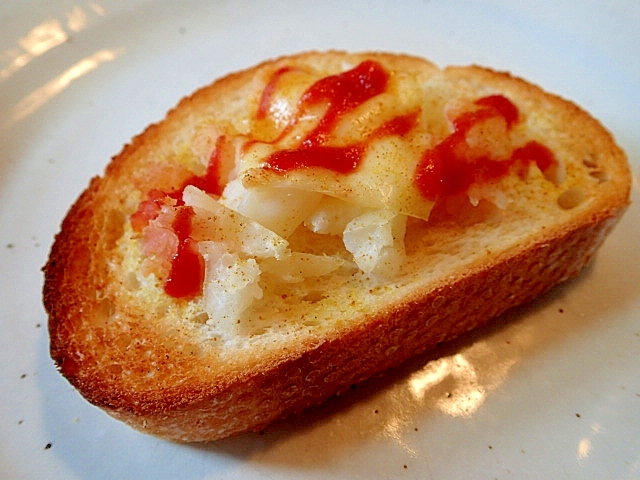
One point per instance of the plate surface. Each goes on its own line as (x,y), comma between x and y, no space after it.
(551,390)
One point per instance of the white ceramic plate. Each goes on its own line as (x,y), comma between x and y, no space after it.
(552,390)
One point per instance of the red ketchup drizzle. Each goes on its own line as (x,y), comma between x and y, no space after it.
(447,169)
(187,266)
(534,151)
(211,181)
(399,126)
(186,275)
(338,159)
(342,93)
(501,104)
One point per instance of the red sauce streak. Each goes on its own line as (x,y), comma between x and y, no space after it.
(337,159)
(187,266)
(341,93)
(399,126)
(186,276)
(211,182)
(501,104)
(448,169)
(534,151)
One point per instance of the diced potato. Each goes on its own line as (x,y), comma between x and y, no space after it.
(332,215)
(376,241)
(213,221)
(296,267)
(281,210)
(230,287)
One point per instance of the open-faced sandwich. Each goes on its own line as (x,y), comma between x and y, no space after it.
(302,225)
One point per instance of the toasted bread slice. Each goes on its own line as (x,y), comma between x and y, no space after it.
(302,225)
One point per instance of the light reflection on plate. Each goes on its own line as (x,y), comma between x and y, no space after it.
(43,37)
(39,97)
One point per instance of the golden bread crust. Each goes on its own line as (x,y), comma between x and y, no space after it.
(133,359)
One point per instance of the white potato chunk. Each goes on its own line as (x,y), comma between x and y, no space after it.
(376,241)
(296,267)
(332,215)
(230,287)
(213,221)
(281,210)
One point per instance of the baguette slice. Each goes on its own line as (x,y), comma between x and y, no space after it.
(308,279)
